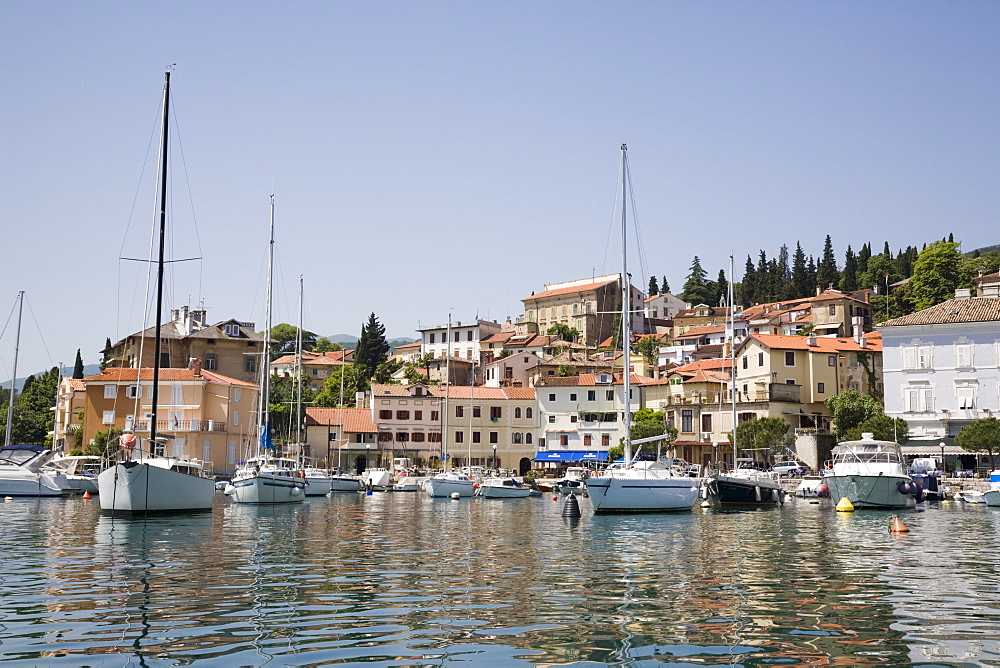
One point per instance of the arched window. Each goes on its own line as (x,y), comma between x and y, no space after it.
(527,414)
(517,412)
(517,437)
(527,437)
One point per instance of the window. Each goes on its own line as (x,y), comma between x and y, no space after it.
(552,397)
(965,397)
(831,360)
(587,439)
(527,438)
(687,420)
(527,413)
(236,418)
(108,417)
(517,412)
(552,419)
(605,439)
(494,436)
(833,309)
(924,357)
(821,388)
(609,395)
(110,392)
(231,329)
(572,396)
(459,436)
(250,364)
(432,337)
(789,358)
(477,411)
(495,412)
(385,415)
(706,422)
(760,359)
(591,395)
(743,417)
(918,399)
(745,363)
(402,436)
(418,437)
(563,439)
(237,394)
(402,415)
(468,335)
(131,391)
(572,418)
(176,395)
(963,355)
(435,416)
(457,334)
(418,415)
(459,411)
(477,437)
(210,362)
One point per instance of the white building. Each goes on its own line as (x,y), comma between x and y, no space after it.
(664,306)
(459,340)
(942,366)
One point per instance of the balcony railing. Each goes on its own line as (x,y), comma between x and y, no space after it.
(213,426)
(784,392)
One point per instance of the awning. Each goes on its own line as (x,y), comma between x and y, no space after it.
(572,456)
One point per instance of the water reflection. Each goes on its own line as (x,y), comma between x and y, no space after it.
(403,579)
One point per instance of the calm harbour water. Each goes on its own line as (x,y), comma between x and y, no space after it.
(405,580)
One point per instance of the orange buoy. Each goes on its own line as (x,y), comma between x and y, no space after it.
(897,525)
(555,498)
(86,495)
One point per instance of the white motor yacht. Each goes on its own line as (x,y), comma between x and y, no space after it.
(377,479)
(267,479)
(502,488)
(22,473)
(443,485)
(343,482)
(81,471)
(871,474)
(320,481)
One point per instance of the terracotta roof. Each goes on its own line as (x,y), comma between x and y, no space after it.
(333,357)
(499,337)
(823,343)
(76,384)
(702,330)
(118,375)
(590,379)
(716,363)
(415,344)
(455,391)
(705,376)
(987,278)
(973,309)
(713,311)
(585,287)
(355,420)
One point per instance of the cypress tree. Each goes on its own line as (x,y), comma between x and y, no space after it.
(783,275)
(826,273)
(748,291)
(863,255)
(372,348)
(722,295)
(811,272)
(664,286)
(654,289)
(849,277)
(78,365)
(800,275)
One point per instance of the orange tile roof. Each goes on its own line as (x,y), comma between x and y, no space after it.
(76,384)
(701,330)
(354,420)
(715,363)
(570,290)
(706,376)
(117,375)
(973,309)
(415,344)
(823,343)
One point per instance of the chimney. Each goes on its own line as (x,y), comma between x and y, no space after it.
(863,342)
(811,341)
(197,368)
(963,293)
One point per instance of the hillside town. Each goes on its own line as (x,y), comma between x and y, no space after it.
(516,395)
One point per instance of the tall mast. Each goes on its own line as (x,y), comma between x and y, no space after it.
(298,377)
(265,362)
(447,393)
(626,322)
(159,264)
(732,351)
(13,378)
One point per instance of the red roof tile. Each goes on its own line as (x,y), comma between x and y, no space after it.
(570,290)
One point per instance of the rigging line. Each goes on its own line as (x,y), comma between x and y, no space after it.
(640,245)
(9,316)
(40,335)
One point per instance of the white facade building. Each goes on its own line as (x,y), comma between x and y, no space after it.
(460,340)
(942,366)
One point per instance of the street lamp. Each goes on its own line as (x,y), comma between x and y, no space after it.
(942,457)
(496,464)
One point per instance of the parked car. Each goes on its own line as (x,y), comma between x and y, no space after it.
(791,468)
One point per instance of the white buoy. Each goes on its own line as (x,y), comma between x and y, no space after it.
(456,496)
(706,504)
(296,491)
(8,498)
(229,490)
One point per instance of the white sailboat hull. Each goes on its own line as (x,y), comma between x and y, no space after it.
(138,487)
(497,492)
(637,491)
(319,485)
(18,481)
(439,488)
(341,483)
(268,488)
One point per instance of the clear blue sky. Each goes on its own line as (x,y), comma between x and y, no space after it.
(436,156)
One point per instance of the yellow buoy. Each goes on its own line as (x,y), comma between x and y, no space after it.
(897,525)
(845,505)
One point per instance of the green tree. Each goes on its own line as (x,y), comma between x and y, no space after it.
(882,428)
(33,416)
(697,289)
(105,353)
(649,348)
(748,291)
(282,408)
(564,332)
(105,443)
(78,366)
(849,277)
(826,273)
(850,408)
(664,286)
(981,436)
(372,348)
(654,289)
(646,423)
(285,337)
(800,277)
(354,381)
(385,371)
(936,274)
(325,345)
(760,433)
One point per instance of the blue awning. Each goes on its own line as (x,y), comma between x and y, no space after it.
(572,456)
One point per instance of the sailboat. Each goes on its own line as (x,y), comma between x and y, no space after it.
(142,481)
(265,477)
(447,483)
(746,484)
(318,479)
(636,486)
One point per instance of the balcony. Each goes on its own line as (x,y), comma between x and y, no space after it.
(786,393)
(212,426)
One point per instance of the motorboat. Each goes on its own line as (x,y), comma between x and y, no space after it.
(81,471)
(811,487)
(343,482)
(871,474)
(406,484)
(320,481)
(571,482)
(993,495)
(443,485)
(502,488)
(22,472)
(746,485)
(377,479)
(971,496)
(268,479)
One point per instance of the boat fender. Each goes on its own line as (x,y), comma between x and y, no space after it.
(704,492)
(296,491)
(229,490)
(756,492)
(918,493)
(904,487)
(126,441)
(822,490)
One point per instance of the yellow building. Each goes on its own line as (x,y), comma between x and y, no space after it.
(201,415)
